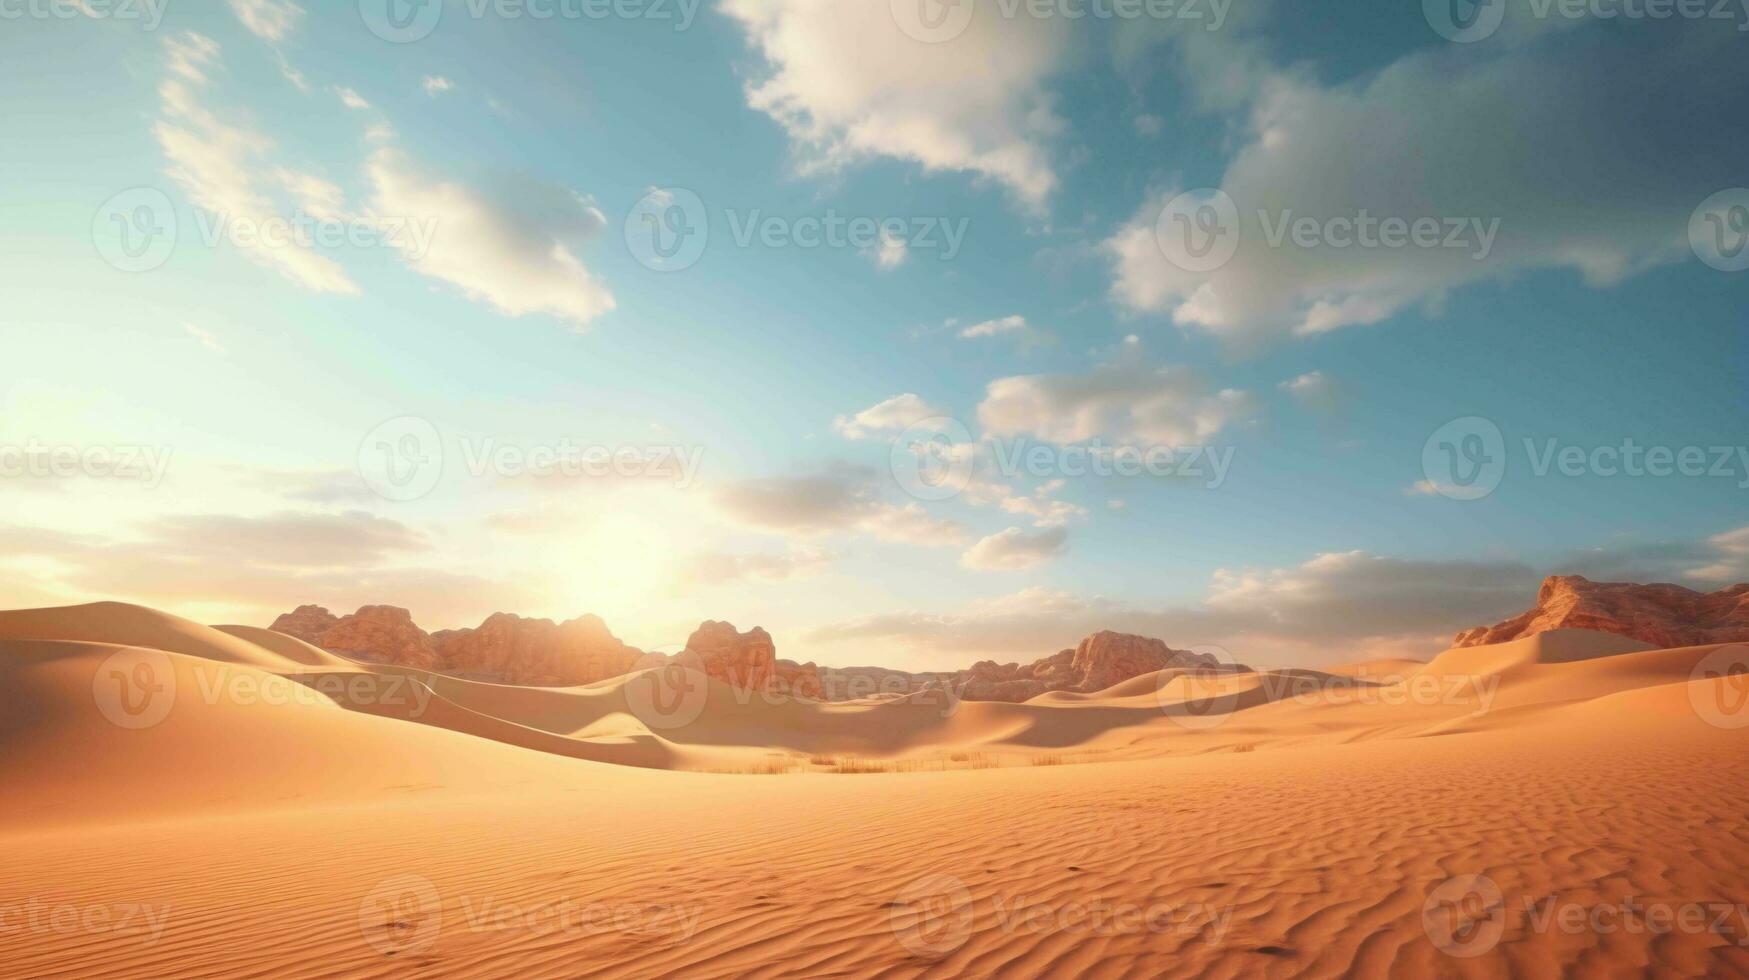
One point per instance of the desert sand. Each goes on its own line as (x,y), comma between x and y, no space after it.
(182,800)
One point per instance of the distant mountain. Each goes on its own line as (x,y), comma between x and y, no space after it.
(510,649)
(1662,615)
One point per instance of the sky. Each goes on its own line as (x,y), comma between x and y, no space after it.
(917,332)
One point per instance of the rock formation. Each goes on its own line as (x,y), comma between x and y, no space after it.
(801,680)
(382,633)
(747,660)
(307,623)
(1098,662)
(509,649)
(1662,615)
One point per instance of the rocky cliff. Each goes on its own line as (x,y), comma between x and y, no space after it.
(1662,615)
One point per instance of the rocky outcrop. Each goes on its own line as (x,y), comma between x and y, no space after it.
(1098,662)
(307,623)
(509,649)
(382,633)
(1108,658)
(746,660)
(801,680)
(1662,615)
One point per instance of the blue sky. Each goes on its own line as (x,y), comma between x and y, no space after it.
(1592,150)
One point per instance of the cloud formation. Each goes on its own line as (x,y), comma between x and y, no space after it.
(270,20)
(511,250)
(1125,400)
(1016,550)
(1340,153)
(847,83)
(221,167)
(887,418)
(842,499)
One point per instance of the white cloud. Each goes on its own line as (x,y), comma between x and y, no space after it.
(291,74)
(1125,401)
(512,251)
(910,524)
(350,99)
(716,568)
(219,165)
(846,83)
(1014,327)
(890,417)
(1016,550)
(1732,564)
(270,20)
(892,252)
(843,499)
(1316,391)
(992,328)
(436,85)
(1041,504)
(1337,152)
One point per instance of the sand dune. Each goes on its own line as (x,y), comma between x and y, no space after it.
(279,810)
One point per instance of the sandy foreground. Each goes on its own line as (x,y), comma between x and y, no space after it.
(182,800)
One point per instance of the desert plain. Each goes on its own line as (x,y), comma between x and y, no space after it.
(194,801)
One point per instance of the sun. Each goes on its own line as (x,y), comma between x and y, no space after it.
(615,564)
